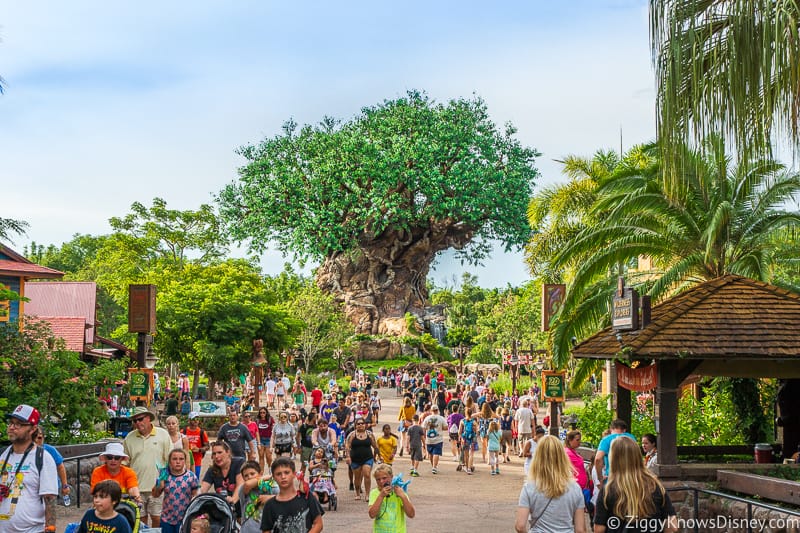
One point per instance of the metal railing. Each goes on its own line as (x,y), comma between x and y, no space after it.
(749,503)
(77,485)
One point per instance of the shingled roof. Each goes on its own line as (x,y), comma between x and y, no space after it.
(730,317)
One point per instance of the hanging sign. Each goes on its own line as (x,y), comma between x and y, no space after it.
(554,386)
(625,308)
(640,379)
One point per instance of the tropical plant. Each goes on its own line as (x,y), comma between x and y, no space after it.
(724,222)
(725,67)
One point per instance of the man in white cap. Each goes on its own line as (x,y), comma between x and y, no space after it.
(435,430)
(148,448)
(28,478)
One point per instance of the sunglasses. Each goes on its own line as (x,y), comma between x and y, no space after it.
(138,419)
(115,457)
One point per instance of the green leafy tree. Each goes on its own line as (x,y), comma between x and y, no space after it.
(324,327)
(376,198)
(174,234)
(559,212)
(209,316)
(725,67)
(37,370)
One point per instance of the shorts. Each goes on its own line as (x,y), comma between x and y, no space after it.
(470,444)
(305,454)
(356,466)
(283,448)
(434,449)
(416,453)
(264,442)
(453,437)
(150,505)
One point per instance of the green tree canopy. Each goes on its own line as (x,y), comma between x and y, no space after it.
(377,197)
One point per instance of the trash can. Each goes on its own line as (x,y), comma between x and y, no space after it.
(763,453)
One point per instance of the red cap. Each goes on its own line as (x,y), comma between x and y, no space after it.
(26,413)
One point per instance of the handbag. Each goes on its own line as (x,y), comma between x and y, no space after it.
(534,520)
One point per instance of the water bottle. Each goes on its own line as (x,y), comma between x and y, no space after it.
(67,500)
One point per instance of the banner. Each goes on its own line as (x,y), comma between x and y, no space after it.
(552,298)
(640,379)
(140,383)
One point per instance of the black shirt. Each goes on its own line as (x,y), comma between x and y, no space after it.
(605,510)
(298,514)
(227,483)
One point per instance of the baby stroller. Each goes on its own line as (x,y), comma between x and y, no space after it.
(129,509)
(215,508)
(321,481)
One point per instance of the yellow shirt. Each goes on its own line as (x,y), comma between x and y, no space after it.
(148,454)
(407,413)
(387,446)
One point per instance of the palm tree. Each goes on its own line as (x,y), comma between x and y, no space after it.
(725,66)
(725,221)
(558,213)
(9,226)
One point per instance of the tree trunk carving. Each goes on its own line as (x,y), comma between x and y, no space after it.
(385,278)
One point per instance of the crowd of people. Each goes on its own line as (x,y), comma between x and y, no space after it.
(276,465)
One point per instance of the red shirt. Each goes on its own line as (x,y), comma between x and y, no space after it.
(316,397)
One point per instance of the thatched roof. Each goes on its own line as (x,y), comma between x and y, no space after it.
(725,319)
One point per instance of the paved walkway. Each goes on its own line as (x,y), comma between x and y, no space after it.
(447,501)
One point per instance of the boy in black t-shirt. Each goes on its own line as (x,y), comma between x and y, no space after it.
(104,517)
(290,511)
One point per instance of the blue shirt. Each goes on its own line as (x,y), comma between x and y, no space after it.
(54,454)
(605,447)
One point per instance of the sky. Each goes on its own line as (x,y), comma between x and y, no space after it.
(108,103)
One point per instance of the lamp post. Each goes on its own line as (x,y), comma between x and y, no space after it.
(514,364)
(461,352)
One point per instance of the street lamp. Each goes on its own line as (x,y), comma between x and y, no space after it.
(461,351)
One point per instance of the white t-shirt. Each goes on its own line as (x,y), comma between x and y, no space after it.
(270,386)
(287,385)
(554,515)
(524,417)
(28,516)
(437,423)
(529,460)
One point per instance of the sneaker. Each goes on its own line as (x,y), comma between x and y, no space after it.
(469,471)
(493,472)
(434,471)
(459,468)
(414,473)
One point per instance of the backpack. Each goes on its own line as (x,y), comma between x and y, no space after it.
(469,429)
(432,433)
(131,512)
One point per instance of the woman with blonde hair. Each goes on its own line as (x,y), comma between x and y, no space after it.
(550,497)
(406,418)
(631,492)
